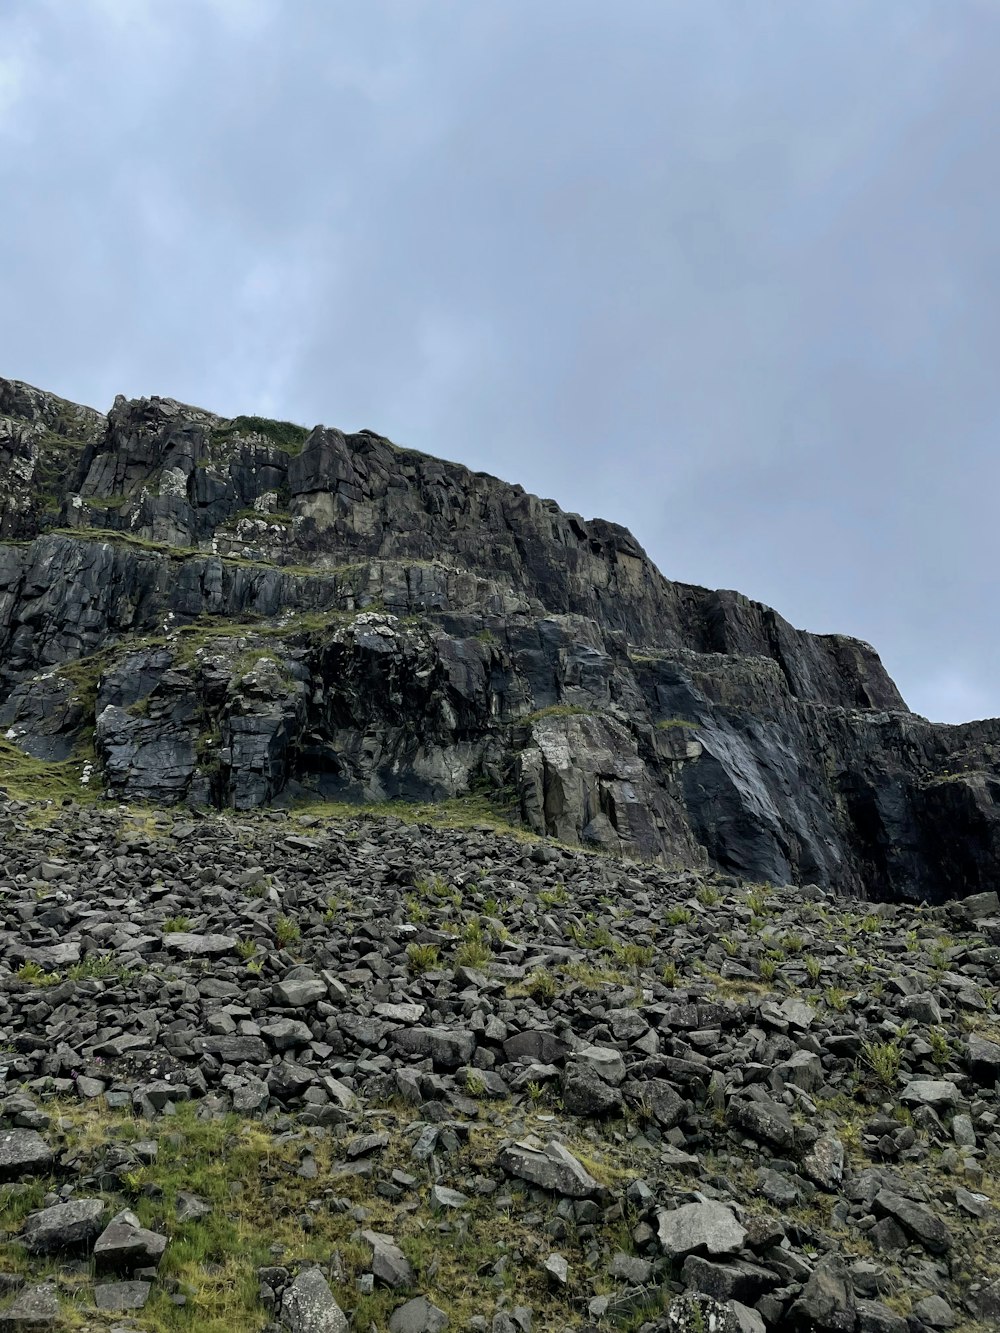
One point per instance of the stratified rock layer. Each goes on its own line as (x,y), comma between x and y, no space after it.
(238,612)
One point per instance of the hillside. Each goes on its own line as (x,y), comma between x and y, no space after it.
(417,913)
(234,613)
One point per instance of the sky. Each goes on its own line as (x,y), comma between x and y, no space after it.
(725,271)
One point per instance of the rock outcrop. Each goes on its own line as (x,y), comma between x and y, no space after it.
(240,612)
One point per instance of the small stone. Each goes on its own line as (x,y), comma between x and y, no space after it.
(557,1270)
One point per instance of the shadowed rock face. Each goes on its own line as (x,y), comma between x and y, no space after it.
(241,611)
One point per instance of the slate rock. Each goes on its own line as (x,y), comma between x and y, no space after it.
(121,1295)
(65,1226)
(308,1306)
(125,1245)
(190,945)
(695,1314)
(764,1120)
(552,1168)
(916,1219)
(33,1310)
(23,1152)
(586,1093)
(389,1264)
(448,1048)
(417,1316)
(699,1228)
(827,1301)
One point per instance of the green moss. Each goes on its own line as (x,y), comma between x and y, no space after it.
(668,723)
(28,779)
(561,710)
(285,434)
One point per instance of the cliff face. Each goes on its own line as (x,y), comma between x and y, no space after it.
(195,609)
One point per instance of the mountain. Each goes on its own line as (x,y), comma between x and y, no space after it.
(237,612)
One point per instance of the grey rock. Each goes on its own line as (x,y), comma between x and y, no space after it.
(125,1245)
(190,945)
(417,1316)
(308,1306)
(23,1152)
(938,1093)
(449,1049)
(121,1295)
(709,1228)
(827,1300)
(916,1219)
(694,1314)
(935,1312)
(33,1310)
(389,1264)
(299,994)
(824,1163)
(65,1226)
(552,1168)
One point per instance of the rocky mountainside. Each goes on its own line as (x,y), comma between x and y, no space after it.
(238,612)
(300,1074)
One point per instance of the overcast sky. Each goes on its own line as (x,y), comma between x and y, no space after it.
(726,271)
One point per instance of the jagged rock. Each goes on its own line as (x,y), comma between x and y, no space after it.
(121,1295)
(935,1313)
(916,1219)
(23,1152)
(694,1314)
(389,1264)
(519,644)
(417,1316)
(448,1049)
(824,1163)
(65,1226)
(586,1093)
(125,1245)
(938,1093)
(552,1167)
(308,1306)
(708,1227)
(827,1300)
(764,1120)
(32,1311)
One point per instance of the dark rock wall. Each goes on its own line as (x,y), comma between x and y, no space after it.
(241,611)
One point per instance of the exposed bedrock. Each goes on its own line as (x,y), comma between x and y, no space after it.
(237,612)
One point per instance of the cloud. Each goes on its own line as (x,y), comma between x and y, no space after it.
(723,273)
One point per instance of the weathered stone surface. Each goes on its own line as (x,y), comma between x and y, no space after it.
(121,1295)
(827,1300)
(552,1167)
(418,1316)
(23,1152)
(125,1245)
(709,1228)
(65,1226)
(308,1306)
(34,1310)
(631,712)
(916,1219)
(389,1264)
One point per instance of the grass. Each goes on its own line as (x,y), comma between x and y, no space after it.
(28,779)
(560,710)
(421,958)
(285,434)
(880,1062)
(286,932)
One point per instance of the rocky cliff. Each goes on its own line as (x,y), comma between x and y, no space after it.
(237,612)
